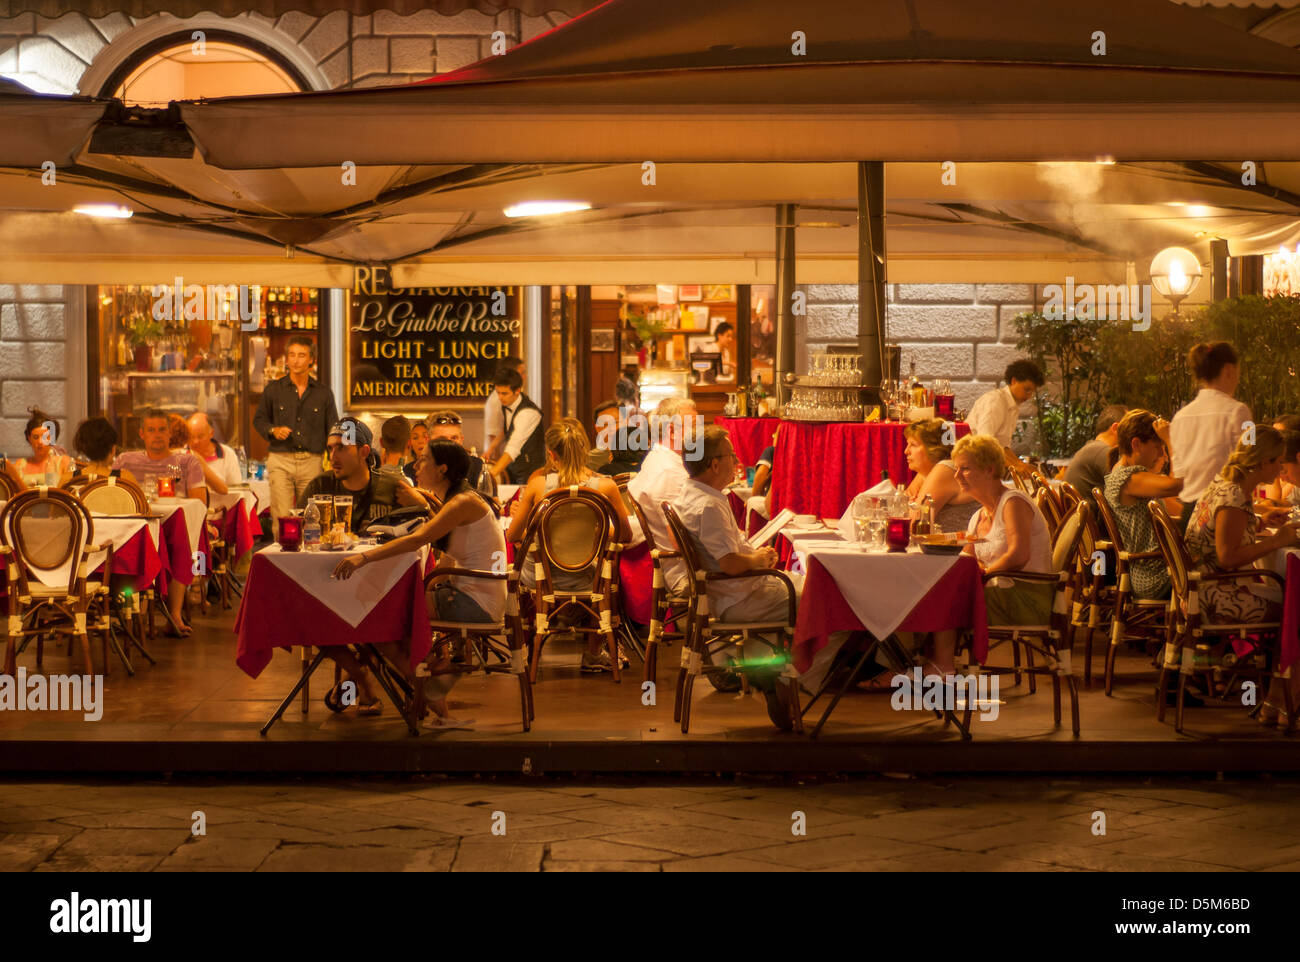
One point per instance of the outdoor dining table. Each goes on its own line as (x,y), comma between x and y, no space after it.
(846,588)
(819,468)
(291,599)
(239,525)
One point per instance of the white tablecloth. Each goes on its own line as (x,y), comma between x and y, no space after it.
(119,531)
(882,589)
(262,491)
(235,495)
(355,598)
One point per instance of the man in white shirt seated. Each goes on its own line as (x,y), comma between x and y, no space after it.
(997,412)
(708,519)
(1205,431)
(221,458)
(662,475)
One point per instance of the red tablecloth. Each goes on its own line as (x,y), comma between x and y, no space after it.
(636,583)
(138,559)
(1290,641)
(237,528)
(956,601)
(277,613)
(737,508)
(749,436)
(174,551)
(819,468)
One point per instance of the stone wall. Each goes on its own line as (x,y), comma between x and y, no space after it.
(34,328)
(961,332)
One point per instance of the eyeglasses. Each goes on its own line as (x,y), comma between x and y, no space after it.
(447,419)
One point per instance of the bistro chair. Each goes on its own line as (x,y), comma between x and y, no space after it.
(626,633)
(667,608)
(491,647)
(1050,510)
(573,532)
(1094,595)
(705,635)
(1192,637)
(8,487)
(114,496)
(48,532)
(1132,619)
(120,497)
(1050,640)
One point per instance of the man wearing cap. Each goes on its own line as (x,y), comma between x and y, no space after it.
(374,495)
(294,415)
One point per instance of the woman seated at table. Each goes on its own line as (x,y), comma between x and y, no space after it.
(468,535)
(1133,481)
(1014,533)
(1285,491)
(1223,535)
(96,440)
(47,465)
(936,475)
(566,455)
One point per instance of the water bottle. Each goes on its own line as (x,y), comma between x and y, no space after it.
(243,462)
(311,526)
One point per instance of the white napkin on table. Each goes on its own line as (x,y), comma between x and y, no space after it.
(846,528)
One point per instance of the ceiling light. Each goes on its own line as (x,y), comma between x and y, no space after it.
(542,208)
(110,211)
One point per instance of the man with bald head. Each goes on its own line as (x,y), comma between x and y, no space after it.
(220,458)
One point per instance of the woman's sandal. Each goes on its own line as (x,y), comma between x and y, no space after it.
(1271,717)
(372,707)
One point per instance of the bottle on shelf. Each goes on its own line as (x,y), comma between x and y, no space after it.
(916,389)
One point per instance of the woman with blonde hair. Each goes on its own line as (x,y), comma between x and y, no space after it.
(1223,535)
(567,448)
(1014,533)
(936,476)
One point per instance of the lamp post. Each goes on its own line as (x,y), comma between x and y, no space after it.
(1175,272)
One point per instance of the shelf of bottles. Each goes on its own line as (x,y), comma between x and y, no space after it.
(289,309)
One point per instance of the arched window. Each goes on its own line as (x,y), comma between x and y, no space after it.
(182,67)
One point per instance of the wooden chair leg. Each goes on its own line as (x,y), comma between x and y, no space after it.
(1015,660)
(1029,664)
(686,703)
(1178,706)
(1087,657)
(1056,700)
(1111,652)
(1074,704)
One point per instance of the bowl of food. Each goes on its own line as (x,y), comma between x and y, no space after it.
(941,547)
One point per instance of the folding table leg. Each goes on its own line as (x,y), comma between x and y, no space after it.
(388,680)
(848,683)
(306,688)
(300,686)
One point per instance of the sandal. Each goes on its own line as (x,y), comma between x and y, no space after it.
(173,631)
(372,707)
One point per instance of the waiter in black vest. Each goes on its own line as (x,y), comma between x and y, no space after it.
(524,440)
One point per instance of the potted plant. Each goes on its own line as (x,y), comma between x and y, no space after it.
(143,330)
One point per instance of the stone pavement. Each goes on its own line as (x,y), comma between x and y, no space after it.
(435,823)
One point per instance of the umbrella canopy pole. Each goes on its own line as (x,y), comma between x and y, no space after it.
(785,321)
(871,274)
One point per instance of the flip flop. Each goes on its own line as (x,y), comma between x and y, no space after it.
(438,723)
(373,707)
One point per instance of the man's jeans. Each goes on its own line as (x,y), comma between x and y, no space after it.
(288,475)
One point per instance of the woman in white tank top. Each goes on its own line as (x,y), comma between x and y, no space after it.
(1014,531)
(467,533)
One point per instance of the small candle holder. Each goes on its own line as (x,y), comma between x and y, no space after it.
(290,536)
(166,487)
(898,534)
(943,406)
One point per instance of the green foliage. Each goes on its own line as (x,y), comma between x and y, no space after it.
(1266,333)
(1090,363)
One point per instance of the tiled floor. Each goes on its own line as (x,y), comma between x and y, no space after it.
(627,824)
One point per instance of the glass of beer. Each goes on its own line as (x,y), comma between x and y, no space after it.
(343,511)
(325,508)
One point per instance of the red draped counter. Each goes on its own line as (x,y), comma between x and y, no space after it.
(819,468)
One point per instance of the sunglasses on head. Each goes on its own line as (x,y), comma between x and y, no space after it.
(447,419)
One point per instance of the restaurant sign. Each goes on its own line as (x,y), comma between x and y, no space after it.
(422,348)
